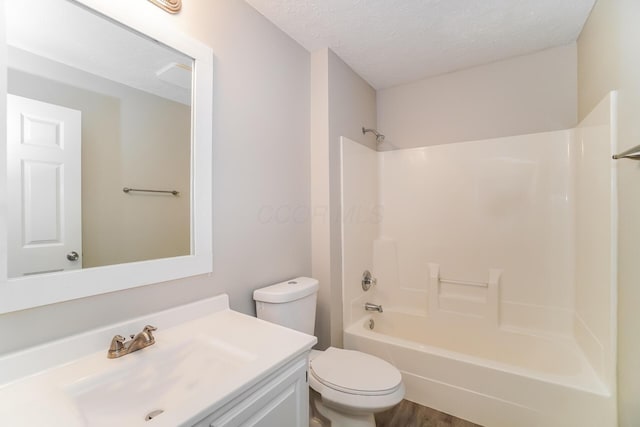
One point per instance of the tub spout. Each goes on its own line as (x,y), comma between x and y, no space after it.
(373,307)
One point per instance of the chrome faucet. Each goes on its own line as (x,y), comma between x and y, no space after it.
(119,347)
(373,307)
(368,280)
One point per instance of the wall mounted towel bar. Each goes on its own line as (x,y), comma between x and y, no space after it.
(631,153)
(127,190)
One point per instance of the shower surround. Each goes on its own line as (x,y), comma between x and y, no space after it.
(494,265)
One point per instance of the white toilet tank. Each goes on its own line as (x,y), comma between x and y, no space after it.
(291,303)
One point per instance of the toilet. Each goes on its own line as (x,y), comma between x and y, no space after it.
(347,387)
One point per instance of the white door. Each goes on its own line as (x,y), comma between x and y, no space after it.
(44,187)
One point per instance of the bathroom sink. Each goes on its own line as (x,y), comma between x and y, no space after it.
(153,382)
(205,356)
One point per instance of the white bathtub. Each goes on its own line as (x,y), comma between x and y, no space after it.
(491,377)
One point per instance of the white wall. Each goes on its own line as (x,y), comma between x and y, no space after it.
(608,59)
(522,95)
(469,207)
(475,206)
(595,199)
(361,217)
(260,161)
(541,208)
(342,102)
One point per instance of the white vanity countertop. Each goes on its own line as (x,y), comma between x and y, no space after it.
(204,356)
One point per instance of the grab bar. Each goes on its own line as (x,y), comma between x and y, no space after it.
(631,153)
(127,190)
(465,283)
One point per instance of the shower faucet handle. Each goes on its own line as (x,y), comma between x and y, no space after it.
(368,280)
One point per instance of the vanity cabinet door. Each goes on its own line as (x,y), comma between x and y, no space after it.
(282,402)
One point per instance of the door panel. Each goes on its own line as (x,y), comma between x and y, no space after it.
(44,186)
(41,192)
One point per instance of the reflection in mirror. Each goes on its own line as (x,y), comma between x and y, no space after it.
(93,107)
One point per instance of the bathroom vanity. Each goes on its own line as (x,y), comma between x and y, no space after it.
(209,366)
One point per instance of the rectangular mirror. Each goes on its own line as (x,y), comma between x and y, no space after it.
(83,123)
(107,118)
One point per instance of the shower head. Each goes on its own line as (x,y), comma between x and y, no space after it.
(379,136)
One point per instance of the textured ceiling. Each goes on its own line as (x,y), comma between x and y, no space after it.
(390,42)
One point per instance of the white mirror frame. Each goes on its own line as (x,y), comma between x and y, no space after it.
(33,291)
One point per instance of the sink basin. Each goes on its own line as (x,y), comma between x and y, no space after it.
(151,383)
(205,356)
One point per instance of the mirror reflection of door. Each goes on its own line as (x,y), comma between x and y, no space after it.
(135,97)
(44,182)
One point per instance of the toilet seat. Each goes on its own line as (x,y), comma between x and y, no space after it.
(355,381)
(355,372)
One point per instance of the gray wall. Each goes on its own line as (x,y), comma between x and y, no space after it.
(342,102)
(526,94)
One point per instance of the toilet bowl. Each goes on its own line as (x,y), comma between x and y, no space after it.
(351,386)
(348,386)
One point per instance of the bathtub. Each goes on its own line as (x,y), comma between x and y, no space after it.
(492,377)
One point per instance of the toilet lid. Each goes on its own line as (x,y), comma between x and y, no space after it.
(355,372)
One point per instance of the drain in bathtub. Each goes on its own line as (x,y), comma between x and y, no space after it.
(151,415)
(372,324)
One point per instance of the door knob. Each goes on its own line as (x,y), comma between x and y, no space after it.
(73,256)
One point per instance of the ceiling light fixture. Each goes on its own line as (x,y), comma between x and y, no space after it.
(171,6)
